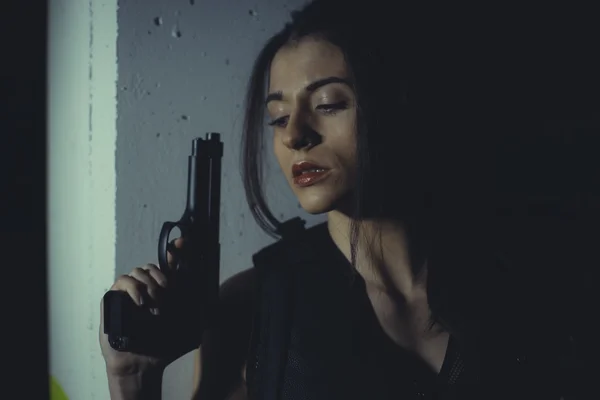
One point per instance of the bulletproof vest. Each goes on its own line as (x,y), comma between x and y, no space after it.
(298,344)
(315,337)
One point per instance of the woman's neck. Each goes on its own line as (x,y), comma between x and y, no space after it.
(382,255)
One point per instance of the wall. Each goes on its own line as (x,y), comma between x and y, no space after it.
(82,73)
(183,69)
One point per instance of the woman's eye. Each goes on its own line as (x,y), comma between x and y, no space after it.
(332,108)
(281,122)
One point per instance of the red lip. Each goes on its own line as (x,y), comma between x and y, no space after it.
(306,173)
(302,166)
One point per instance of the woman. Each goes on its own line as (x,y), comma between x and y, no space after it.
(387,298)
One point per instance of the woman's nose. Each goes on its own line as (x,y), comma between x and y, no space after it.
(299,136)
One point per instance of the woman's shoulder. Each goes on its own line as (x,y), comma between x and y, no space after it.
(244,282)
(297,244)
(240,284)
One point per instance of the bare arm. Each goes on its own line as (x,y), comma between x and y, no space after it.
(219,370)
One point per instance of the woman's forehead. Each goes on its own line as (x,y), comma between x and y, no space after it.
(302,63)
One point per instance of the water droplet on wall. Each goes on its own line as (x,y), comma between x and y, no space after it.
(252,13)
(175,32)
(158,21)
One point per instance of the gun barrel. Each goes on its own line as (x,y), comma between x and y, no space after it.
(204,180)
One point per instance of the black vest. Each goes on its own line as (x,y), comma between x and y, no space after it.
(316,337)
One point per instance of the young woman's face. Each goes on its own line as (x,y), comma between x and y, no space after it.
(313,114)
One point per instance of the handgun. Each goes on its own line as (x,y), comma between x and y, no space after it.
(190,303)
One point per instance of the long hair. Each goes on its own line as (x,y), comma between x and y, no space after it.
(394,172)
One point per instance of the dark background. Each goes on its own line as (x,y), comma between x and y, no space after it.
(523,117)
(23,168)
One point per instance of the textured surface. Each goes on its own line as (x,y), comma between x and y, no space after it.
(183,70)
(82,73)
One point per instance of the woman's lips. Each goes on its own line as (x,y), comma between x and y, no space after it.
(306,173)
(310,178)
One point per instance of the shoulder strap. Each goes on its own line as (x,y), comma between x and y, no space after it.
(270,339)
(292,228)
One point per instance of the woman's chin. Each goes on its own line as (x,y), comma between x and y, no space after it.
(315,210)
(316,206)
